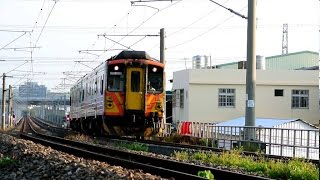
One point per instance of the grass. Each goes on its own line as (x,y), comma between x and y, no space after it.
(206,174)
(134,146)
(294,169)
(5,161)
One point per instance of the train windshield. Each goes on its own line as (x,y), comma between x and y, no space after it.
(115,78)
(155,79)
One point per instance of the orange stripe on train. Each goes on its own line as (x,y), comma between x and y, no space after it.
(117,104)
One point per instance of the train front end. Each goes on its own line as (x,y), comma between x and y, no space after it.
(134,97)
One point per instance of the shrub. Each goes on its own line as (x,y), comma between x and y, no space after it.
(276,169)
(5,161)
(206,174)
(135,146)
(181,155)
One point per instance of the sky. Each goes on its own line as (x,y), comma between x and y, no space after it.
(65,43)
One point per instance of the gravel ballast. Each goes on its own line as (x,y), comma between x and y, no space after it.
(34,161)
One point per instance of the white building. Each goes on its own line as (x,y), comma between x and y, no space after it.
(217,95)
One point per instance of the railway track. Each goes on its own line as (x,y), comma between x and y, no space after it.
(163,167)
(166,148)
(58,131)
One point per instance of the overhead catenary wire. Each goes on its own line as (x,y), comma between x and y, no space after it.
(55,2)
(205,32)
(229,9)
(189,25)
(94,43)
(143,22)
(35,24)
(13,41)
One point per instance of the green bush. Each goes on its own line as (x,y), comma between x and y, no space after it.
(181,155)
(135,146)
(302,170)
(5,161)
(276,169)
(206,174)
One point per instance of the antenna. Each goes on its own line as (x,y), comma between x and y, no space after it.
(285,39)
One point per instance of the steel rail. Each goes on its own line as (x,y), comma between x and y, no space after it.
(162,167)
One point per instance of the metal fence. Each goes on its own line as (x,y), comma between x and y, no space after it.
(302,143)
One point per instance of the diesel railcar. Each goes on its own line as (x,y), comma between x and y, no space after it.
(122,96)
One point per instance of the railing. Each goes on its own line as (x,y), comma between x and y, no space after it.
(302,143)
(167,129)
(197,129)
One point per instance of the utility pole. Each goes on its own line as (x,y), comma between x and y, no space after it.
(3,101)
(10,107)
(162,48)
(250,117)
(162,60)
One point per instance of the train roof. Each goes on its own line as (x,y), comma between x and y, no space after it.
(132,55)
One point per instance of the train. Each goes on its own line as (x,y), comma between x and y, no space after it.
(123,96)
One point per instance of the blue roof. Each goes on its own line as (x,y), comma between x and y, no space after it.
(264,122)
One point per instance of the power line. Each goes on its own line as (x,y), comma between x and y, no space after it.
(55,2)
(13,41)
(148,20)
(35,24)
(232,11)
(197,20)
(4,30)
(200,35)
(188,26)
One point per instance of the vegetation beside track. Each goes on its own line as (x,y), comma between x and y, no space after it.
(278,169)
(5,161)
(295,169)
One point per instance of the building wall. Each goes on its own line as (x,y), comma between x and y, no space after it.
(32,89)
(201,98)
(178,112)
(292,60)
(289,61)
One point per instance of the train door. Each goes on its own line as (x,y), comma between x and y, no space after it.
(134,90)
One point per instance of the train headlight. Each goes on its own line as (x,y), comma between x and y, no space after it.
(109,102)
(116,68)
(154,69)
(158,106)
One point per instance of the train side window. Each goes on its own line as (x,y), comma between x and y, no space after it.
(135,81)
(101,87)
(82,98)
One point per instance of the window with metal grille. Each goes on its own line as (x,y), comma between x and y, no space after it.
(278,92)
(300,99)
(182,98)
(176,98)
(226,98)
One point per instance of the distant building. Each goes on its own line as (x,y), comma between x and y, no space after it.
(32,89)
(291,61)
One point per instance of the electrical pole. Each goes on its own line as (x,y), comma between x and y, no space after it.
(10,107)
(162,60)
(3,101)
(162,48)
(250,117)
